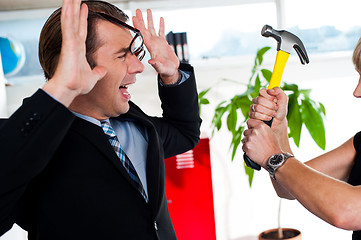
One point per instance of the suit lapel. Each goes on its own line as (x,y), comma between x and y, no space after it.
(96,136)
(154,168)
(155,171)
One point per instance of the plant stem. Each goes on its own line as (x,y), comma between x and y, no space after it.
(280,232)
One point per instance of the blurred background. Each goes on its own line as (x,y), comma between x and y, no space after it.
(222,40)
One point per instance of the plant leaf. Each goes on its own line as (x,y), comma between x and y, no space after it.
(259,56)
(306,92)
(218,114)
(290,87)
(253,91)
(267,74)
(294,119)
(232,118)
(244,102)
(322,108)
(204,101)
(314,123)
(236,140)
(250,174)
(204,92)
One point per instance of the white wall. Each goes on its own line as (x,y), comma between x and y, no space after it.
(241,213)
(3,103)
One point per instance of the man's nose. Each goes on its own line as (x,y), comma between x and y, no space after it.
(134,64)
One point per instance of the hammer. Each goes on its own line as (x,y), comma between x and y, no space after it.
(285,42)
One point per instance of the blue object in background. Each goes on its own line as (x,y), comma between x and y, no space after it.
(12,55)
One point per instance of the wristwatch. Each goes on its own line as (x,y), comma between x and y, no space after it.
(276,161)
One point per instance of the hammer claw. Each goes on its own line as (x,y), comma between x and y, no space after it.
(286,41)
(302,54)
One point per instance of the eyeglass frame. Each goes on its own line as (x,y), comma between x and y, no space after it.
(136,31)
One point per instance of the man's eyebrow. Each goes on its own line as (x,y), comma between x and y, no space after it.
(122,50)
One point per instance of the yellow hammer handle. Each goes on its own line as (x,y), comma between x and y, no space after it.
(281,60)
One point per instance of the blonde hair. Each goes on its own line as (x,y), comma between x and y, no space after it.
(356,57)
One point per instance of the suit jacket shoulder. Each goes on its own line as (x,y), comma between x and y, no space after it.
(28,132)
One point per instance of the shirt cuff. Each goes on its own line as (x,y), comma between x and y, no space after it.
(184,76)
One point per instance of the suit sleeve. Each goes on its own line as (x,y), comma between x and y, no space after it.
(180,126)
(28,139)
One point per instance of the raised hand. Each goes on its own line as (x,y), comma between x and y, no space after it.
(73,75)
(163,58)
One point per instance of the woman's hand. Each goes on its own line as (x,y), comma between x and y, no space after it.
(271,103)
(163,58)
(259,142)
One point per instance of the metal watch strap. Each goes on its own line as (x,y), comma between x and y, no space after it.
(272,169)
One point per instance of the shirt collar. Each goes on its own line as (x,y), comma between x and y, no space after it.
(89,119)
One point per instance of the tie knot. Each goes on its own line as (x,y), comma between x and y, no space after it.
(108,130)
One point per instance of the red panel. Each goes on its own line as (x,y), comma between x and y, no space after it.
(189,192)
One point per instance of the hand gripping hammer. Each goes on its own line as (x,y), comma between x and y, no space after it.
(285,42)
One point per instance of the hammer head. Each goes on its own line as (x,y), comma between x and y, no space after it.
(286,41)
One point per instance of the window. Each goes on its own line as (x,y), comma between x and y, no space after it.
(324,25)
(221,31)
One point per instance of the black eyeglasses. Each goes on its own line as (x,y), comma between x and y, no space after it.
(136,46)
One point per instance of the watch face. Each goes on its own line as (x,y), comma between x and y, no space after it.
(276,159)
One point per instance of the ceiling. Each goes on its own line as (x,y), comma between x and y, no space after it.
(28,9)
(15,5)
(10,5)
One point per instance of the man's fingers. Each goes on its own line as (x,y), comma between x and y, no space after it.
(150,22)
(139,23)
(65,18)
(76,13)
(161,27)
(135,22)
(83,27)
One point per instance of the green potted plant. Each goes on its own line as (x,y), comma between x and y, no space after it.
(302,110)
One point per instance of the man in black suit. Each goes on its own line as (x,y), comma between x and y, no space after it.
(60,176)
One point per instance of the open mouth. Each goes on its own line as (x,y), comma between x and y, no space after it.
(124,91)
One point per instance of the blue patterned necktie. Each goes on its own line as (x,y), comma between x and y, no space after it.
(112,137)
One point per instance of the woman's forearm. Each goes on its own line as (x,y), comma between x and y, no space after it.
(334,201)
